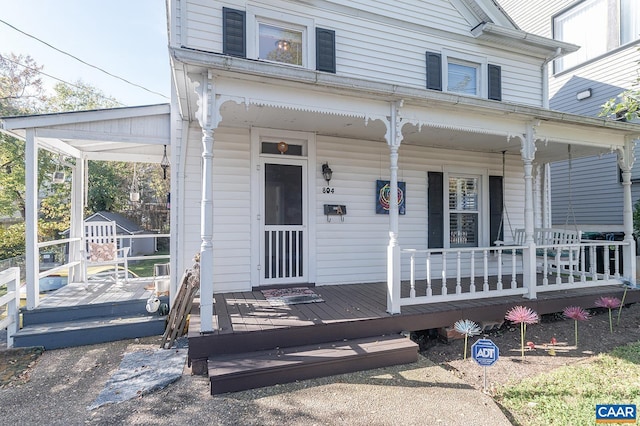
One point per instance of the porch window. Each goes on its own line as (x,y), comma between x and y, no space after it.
(462,77)
(610,24)
(280,44)
(464,211)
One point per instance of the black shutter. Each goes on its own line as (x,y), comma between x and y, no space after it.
(496,200)
(234,30)
(434,71)
(325,50)
(435,210)
(495,82)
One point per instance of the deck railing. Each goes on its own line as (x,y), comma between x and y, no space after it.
(444,275)
(10,303)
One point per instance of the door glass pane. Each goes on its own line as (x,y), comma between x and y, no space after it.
(463,230)
(463,211)
(283,194)
(463,193)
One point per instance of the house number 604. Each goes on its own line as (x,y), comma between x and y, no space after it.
(328,190)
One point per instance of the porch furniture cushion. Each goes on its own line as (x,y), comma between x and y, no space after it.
(102,252)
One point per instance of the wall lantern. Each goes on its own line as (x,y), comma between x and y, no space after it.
(327,173)
(583,95)
(164,163)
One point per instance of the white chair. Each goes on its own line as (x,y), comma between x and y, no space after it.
(101,249)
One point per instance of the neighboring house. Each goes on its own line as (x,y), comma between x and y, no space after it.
(587,192)
(444,101)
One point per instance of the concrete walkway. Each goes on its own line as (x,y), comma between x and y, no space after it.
(66,381)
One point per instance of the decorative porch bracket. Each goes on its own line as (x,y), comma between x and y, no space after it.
(209,118)
(626,159)
(394,139)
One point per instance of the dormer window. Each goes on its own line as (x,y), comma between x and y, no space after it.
(279,44)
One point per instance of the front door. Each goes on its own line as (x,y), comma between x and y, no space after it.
(284,209)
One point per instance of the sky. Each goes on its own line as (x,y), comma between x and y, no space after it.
(127,38)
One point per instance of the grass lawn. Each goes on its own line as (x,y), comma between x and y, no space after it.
(568,395)
(144,268)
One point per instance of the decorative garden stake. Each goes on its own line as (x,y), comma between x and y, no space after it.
(609,303)
(523,316)
(576,313)
(469,329)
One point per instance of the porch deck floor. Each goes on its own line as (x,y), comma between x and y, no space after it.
(77,294)
(244,312)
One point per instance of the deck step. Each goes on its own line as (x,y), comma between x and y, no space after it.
(48,315)
(232,373)
(89,331)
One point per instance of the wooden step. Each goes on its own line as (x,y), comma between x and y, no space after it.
(48,315)
(231,373)
(89,331)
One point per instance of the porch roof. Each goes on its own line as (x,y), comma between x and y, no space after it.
(117,134)
(307,100)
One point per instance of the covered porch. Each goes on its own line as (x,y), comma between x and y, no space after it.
(423,132)
(137,134)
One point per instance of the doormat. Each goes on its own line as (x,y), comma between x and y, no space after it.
(291,296)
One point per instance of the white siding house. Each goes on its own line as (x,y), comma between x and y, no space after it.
(443,100)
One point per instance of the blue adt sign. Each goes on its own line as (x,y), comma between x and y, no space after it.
(485,352)
(616,413)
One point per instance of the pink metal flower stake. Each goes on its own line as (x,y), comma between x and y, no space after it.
(609,303)
(523,316)
(576,313)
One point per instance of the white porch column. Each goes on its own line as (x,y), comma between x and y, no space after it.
(528,152)
(76,229)
(394,139)
(31,219)
(208,117)
(206,234)
(626,159)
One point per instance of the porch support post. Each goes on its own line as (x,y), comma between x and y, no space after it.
(77,218)
(208,117)
(528,152)
(32,263)
(394,139)
(626,159)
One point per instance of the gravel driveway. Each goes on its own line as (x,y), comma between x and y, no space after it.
(65,382)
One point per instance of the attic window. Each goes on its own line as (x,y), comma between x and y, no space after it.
(280,44)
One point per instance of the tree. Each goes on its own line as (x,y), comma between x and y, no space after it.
(626,106)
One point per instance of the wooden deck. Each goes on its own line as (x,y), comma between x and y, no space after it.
(246,321)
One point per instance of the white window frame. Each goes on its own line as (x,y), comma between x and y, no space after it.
(483,203)
(257,16)
(479,62)
(610,34)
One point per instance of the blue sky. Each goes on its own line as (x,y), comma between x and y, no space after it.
(128,38)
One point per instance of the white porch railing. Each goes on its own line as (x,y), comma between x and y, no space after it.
(11,301)
(445,275)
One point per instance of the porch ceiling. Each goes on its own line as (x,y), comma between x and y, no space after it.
(119,134)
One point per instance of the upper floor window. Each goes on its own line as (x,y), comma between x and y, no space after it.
(280,44)
(462,77)
(597,26)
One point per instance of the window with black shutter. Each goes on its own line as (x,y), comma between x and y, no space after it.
(495,82)
(434,71)
(234,30)
(325,50)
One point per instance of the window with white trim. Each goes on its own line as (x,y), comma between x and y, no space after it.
(281,44)
(597,26)
(463,210)
(462,77)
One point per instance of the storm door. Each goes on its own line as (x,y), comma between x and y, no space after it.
(284,237)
